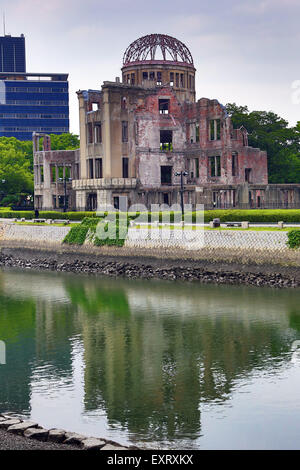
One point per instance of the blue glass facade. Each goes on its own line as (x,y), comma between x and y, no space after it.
(12,54)
(33,103)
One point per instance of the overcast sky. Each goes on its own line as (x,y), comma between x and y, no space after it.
(245,51)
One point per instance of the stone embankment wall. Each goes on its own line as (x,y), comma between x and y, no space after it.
(225,258)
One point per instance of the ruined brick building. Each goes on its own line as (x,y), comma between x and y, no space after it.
(137,134)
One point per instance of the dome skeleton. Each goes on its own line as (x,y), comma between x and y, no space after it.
(139,50)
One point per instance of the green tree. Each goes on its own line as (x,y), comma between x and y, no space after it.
(270,132)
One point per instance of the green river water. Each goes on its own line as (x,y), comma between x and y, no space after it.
(153,363)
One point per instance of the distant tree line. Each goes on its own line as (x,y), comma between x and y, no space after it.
(270,132)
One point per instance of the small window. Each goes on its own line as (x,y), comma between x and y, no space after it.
(215,166)
(182,80)
(166,144)
(123,102)
(125,172)
(166,174)
(166,198)
(159,78)
(177,80)
(145,75)
(152,75)
(116,202)
(94,106)
(132,79)
(124,131)
(163,106)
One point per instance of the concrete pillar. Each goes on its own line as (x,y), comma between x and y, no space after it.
(106,135)
(81,200)
(104,199)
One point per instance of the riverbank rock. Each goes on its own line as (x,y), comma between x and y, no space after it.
(39,434)
(92,443)
(21,427)
(10,422)
(56,435)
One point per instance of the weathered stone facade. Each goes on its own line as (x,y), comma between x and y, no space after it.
(135,136)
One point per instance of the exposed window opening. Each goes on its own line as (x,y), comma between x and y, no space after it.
(163,106)
(215,129)
(258,201)
(197,174)
(215,166)
(248,175)
(124,131)
(182,80)
(42,174)
(116,202)
(171,78)
(90,133)
(166,174)
(234,164)
(94,106)
(125,167)
(53,174)
(152,76)
(123,102)
(132,78)
(197,132)
(166,138)
(98,132)
(98,168)
(91,168)
(92,202)
(159,78)
(128,79)
(177,80)
(166,199)
(145,75)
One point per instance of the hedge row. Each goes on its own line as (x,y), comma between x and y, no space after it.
(46,215)
(78,234)
(260,215)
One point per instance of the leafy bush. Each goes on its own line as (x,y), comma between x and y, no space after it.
(293,239)
(76,235)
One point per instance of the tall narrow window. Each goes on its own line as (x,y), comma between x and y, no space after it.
(91,168)
(98,168)
(215,166)
(145,75)
(197,168)
(166,174)
(132,79)
(177,80)
(163,106)
(124,131)
(152,75)
(125,172)
(171,78)
(166,141)
(98,132)
(182,80)
(215,129)
(248,175)
(159,78)
(234,164)
(90,133)
(197,132)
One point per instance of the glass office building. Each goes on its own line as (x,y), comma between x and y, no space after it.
(29,102)
(33,103)
(12,54)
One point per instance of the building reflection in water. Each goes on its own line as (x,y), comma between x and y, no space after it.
(152,352)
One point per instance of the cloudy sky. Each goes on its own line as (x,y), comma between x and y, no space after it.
(245,51)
